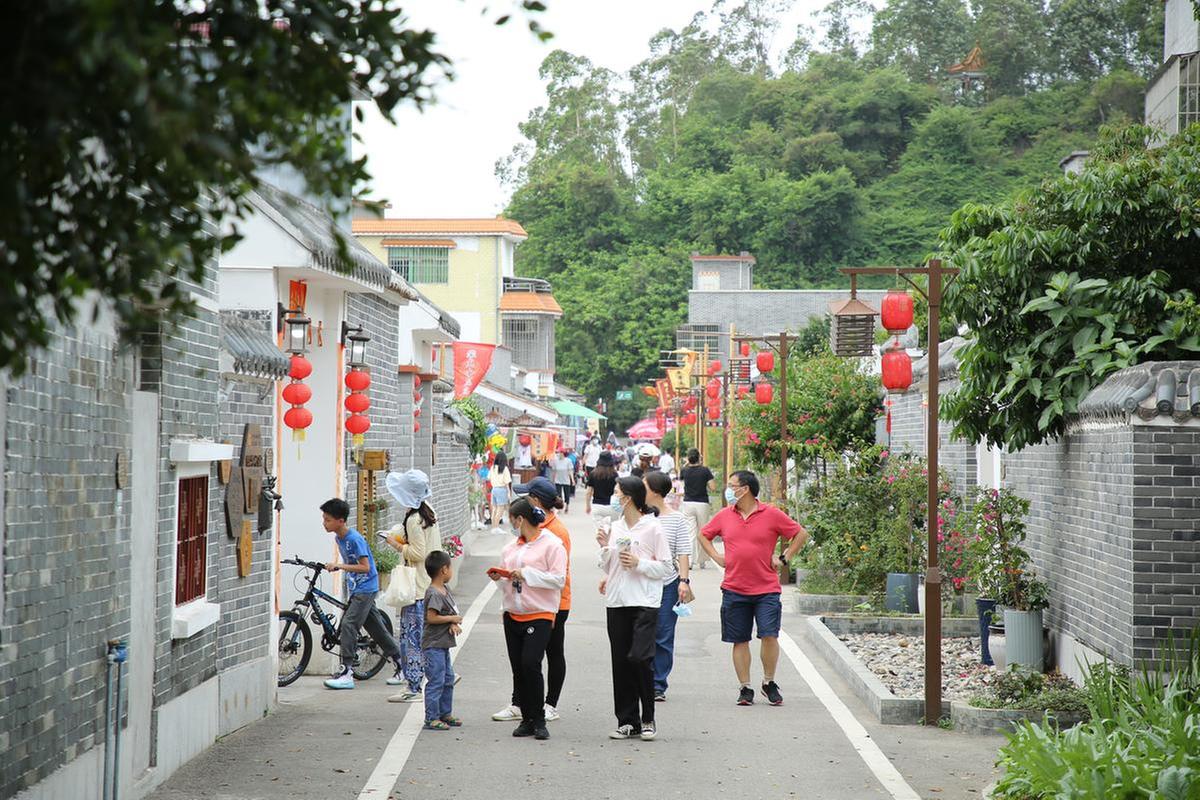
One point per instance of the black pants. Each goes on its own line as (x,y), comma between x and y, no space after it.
(631,637)
(566,491)
(556,663)
(526,643)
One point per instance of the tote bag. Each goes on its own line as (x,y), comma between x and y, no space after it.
(402,590)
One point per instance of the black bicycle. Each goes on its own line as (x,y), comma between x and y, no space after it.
(295,638)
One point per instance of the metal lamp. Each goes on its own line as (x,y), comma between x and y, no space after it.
(296,342)
(355,342)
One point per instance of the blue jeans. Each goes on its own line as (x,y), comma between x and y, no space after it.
(412,625)
(439,683)
(664,641)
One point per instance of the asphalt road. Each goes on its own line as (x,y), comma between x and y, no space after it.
(325,744)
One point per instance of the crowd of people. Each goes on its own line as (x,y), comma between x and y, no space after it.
(649,542)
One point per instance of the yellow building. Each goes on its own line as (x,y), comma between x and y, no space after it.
(465,266)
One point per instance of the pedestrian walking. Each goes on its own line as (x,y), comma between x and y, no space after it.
(602,485)
(591,455)
(635,558)
(666,464)
(564,480)
(415,538)
(501,479)
(442,625)
(544,496)
(677,586)
(532,574)
(698,481)
(750,591)
(362,585)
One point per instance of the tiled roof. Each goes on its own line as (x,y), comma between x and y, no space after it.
(1155,388)
(462,226)
(419,243)
(253,350)
(530,302)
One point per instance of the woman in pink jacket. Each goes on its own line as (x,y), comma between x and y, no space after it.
(533,571)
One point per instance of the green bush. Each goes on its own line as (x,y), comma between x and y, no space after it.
(386,558)
(1027,690)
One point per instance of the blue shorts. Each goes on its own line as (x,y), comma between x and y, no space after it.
(499,495)
(740,613)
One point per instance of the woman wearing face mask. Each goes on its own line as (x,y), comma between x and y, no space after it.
(601,485)
(677,586)
(636,558)
(534,573)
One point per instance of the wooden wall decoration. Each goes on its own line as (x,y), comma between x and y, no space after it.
(245,550)
(235,501)
(252,467)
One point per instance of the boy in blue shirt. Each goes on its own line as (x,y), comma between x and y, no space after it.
(362,584)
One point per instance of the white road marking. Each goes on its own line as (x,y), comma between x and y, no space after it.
(395,755)
(860,740)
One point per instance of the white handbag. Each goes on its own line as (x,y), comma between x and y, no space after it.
(402,590)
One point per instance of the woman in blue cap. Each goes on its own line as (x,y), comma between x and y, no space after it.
(415,538)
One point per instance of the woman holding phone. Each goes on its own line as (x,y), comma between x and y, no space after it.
(636,558)
(532,574)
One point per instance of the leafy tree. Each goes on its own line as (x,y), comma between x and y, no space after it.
(1012,34)
(921,37)
(133,133)
(1063,286)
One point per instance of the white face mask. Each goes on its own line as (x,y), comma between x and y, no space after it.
(730,495)
(615,504)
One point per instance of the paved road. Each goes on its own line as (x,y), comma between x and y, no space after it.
(323,744)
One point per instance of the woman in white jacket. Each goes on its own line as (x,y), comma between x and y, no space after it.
(636,558)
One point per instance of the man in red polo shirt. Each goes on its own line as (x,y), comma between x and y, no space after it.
(750,591)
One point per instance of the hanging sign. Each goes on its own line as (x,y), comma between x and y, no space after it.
(471,362)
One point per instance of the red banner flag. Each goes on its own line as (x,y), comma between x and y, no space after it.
(471,363)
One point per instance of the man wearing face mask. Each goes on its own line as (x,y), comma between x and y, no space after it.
(750,592)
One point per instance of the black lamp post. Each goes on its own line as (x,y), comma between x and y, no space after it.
(355,342)
(296,342)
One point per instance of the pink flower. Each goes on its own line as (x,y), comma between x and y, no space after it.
(891,479)
(884,454)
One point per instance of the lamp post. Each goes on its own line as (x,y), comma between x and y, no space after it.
(779,343)
(939,279)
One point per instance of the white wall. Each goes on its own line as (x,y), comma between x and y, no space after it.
(1182,34)
(247,288)
(471,325)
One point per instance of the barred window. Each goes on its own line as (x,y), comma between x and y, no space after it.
(191,539)
(1189,90)
(421,264)
(531,339)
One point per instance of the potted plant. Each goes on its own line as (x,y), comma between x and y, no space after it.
(902,532)
(1000,567)
(385,557)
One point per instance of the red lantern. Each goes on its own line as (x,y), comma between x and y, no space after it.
(714,367)
(416,427)
(417,411)
(690,403)
(300,368)
(897,370)
(416,381)
(763,393)
(525,439)
(765,361)
(357,403)
(689,418)
(896,310)
(745,349)
(296,394)
(298,418)
(357,424)
(714,412)
(713,389)
(358,380)
(742,392)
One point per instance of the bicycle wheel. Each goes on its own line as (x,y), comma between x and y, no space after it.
(371,657)
(295,647)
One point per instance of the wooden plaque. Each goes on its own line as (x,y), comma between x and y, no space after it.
(122,470)
(374,459)
(224,469)
(245,549)
(235,502)
(252,467)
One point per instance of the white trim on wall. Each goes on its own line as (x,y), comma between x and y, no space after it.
(195,615)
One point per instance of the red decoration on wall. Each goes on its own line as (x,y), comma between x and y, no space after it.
(745,349)
(689,418)
(416,427)
(713,389)
(714,412)
(897,369)
(357,424)
(896,311)
(714,367)
(296,394)
(764,393)
(358,380)
(300,368)
(298,418)
(416,381)
(357,403)
(765,361)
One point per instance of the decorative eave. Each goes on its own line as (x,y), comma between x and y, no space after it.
(1154,393)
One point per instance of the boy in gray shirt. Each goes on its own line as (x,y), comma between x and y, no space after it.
(442,625)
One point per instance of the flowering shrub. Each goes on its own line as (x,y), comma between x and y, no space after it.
(999,564)
(452,545)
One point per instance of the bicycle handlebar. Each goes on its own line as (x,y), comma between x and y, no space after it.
(299,562)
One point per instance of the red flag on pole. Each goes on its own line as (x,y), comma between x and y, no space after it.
(471,362)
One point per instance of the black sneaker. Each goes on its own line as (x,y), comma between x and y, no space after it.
(540,733)
(526,728)
(746,696)
(660,697)
(771,692)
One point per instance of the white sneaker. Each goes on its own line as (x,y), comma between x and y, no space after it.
(623,732)
(508,714)
(407,697)
(649,731)
(551,713)
(343,681)
(397,679)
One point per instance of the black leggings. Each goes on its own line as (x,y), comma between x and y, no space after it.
(556,663)
(526,643)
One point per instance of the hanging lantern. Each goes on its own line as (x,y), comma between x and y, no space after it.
(357,424)
(897,369)
(745,349)
(742,391)
(714,367)
(357,403)
(416,382)
(764,393)
(689,403)
(300,368)
(297,331)
(714,412)
(713,389)
(852,327)
(298,418)
(417,411)
(896,311)
(689,418)
(416,426)
(296,394)
(765,361)
(358,380)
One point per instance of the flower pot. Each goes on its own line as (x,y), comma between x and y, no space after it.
(1023,632)
(901,594)
(985,607)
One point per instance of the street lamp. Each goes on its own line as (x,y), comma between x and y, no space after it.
(355,342)
(297,331)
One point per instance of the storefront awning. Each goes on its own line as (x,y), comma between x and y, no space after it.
(569,408)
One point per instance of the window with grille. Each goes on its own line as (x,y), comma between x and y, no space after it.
(531,339)
(191,539)
(421,264)
(1189,90)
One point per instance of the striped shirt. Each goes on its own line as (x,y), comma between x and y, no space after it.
(678,529)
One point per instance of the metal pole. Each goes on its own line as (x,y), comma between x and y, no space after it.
(933,578)
(701,439)
(110,662)
(783,430)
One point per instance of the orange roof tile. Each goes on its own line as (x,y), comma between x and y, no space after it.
(530,302)
(463,226)
(419,243)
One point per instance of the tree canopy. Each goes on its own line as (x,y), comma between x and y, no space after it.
(847,151)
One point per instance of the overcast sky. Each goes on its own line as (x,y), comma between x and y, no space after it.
(440,162)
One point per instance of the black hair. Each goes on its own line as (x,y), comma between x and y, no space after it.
(637,472)
(658,482)
(603,471)
(693,456)
(557,502)
(521,507)
(501,461)
(748,479)
(635,490)
(428,518)
(435,561)
(337,508)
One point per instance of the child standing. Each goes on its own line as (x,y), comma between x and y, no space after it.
(442,625)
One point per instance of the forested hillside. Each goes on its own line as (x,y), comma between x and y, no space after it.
(846,150)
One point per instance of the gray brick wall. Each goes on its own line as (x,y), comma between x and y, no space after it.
(66,550)
(450,475)
(908,434)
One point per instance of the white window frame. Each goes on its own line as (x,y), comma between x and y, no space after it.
(191,617)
